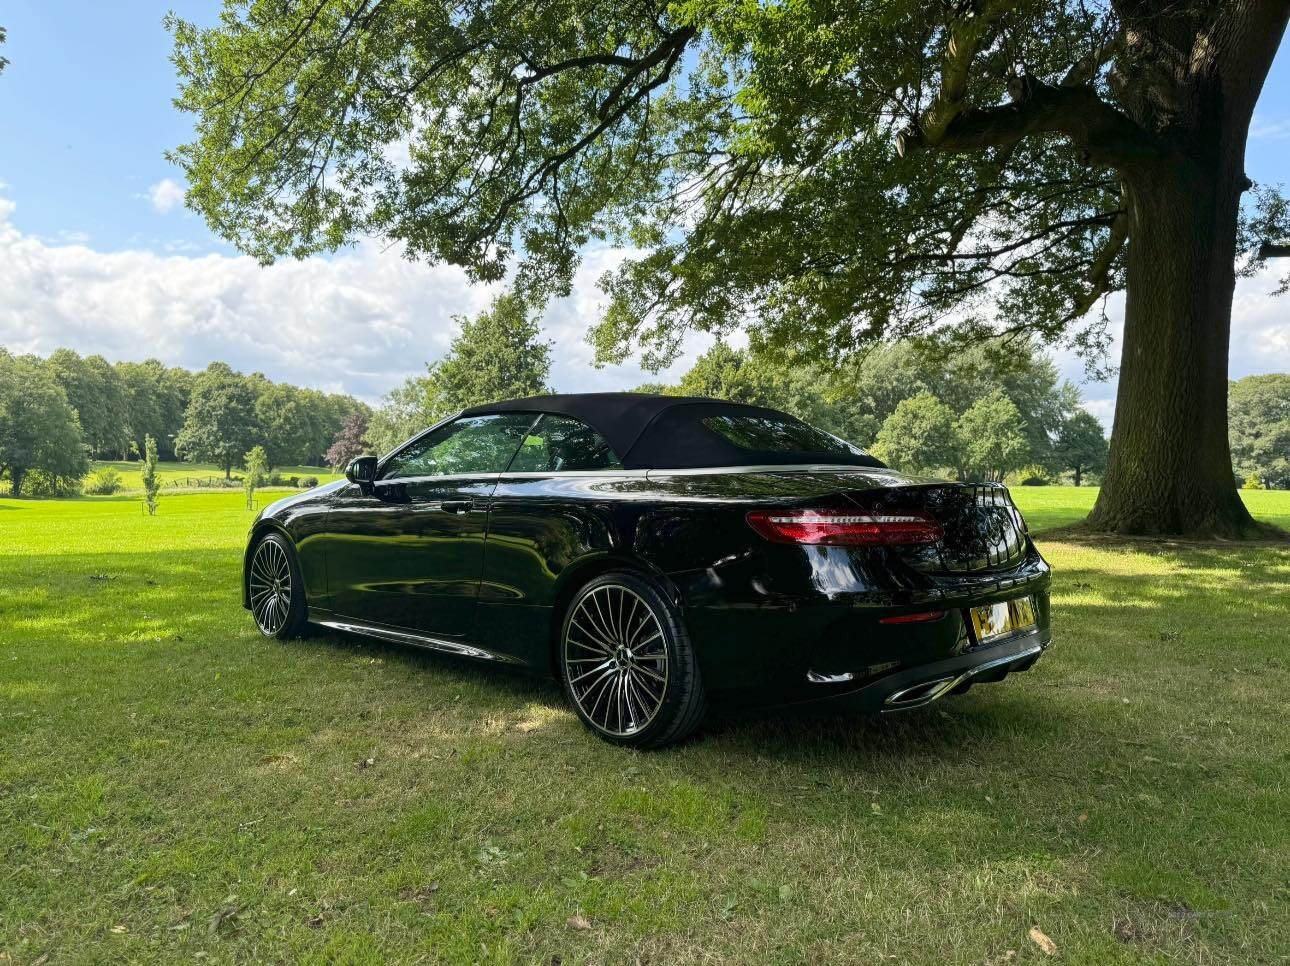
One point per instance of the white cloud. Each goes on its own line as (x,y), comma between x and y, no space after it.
(362,321)
(359,322)
(1265,130)
(165,195)
(1260,340)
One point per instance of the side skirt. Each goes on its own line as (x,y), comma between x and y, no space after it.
(400,636)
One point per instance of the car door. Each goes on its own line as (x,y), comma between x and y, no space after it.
(554,504)
(409,553)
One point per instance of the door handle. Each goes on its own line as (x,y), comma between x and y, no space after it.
(457,506)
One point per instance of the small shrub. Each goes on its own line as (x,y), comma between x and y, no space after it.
(1253,482)
(257,472)
(293,481)
(309,482)
(40,484)
(273,479)
(103,482)
(1032,475)
(151,485)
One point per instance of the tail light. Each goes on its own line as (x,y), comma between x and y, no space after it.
(827,528)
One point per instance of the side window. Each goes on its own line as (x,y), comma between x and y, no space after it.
(475,444)
(563,443)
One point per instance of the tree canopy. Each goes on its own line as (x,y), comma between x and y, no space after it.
(220,425)
(919,436)
(1081,446)
(497,355)
(992,437)
(40,436)
(350,442)
(819,175)
(98,394)
(1259,419)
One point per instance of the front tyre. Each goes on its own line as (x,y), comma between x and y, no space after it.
(276,589)
(628,665)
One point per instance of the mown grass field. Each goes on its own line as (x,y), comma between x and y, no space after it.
(173,786)
(184,475)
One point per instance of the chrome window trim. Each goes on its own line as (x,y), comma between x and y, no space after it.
(653,473)
(485,477)
(656,474)
(771,468)
(573,474)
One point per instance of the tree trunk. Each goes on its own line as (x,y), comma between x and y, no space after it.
(228,471)
(1078,475)
(1170,468)
(16,477)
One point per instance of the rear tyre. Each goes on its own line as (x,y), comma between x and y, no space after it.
(628,665)
(276,589)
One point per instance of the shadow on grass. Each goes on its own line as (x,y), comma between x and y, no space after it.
(74,608)
(1262,534)
(139,680)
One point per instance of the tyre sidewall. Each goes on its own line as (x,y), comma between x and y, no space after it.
(683,674)
(298,611)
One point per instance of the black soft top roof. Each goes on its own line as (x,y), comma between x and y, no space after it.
(649,431)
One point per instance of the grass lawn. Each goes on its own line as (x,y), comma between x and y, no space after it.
(187,474)
(173,785)
(1058,506)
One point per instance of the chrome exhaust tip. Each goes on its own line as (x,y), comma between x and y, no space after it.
(917,695)
(925,692)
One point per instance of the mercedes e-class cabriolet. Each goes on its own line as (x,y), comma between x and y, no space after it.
(654,553)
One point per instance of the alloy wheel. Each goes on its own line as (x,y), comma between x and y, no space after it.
(270,586)
(615,656)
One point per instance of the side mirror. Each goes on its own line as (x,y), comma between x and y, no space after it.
(362,470)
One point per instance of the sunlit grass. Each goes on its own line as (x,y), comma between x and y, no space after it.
(172,784)
(196,475)
(1047,507)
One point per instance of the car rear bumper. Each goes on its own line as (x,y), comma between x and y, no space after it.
(919,686)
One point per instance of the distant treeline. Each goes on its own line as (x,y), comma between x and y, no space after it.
(58,411)
(987,412)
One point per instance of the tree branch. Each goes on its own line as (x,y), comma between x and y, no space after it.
(966,36)
(1099,275)
(1106,135)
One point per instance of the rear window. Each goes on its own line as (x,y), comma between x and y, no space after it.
(777,434)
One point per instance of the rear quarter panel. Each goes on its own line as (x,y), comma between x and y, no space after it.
(755,610)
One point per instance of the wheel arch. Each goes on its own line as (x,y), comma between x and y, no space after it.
(581,572)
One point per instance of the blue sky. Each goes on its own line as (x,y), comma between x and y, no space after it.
(109,260)
(87,117)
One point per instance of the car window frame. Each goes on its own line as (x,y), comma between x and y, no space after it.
(444,424)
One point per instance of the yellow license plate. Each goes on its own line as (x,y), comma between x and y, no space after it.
(999,620)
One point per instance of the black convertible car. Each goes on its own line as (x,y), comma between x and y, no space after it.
(655,552)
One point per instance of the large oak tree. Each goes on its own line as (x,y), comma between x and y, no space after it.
(820,174)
